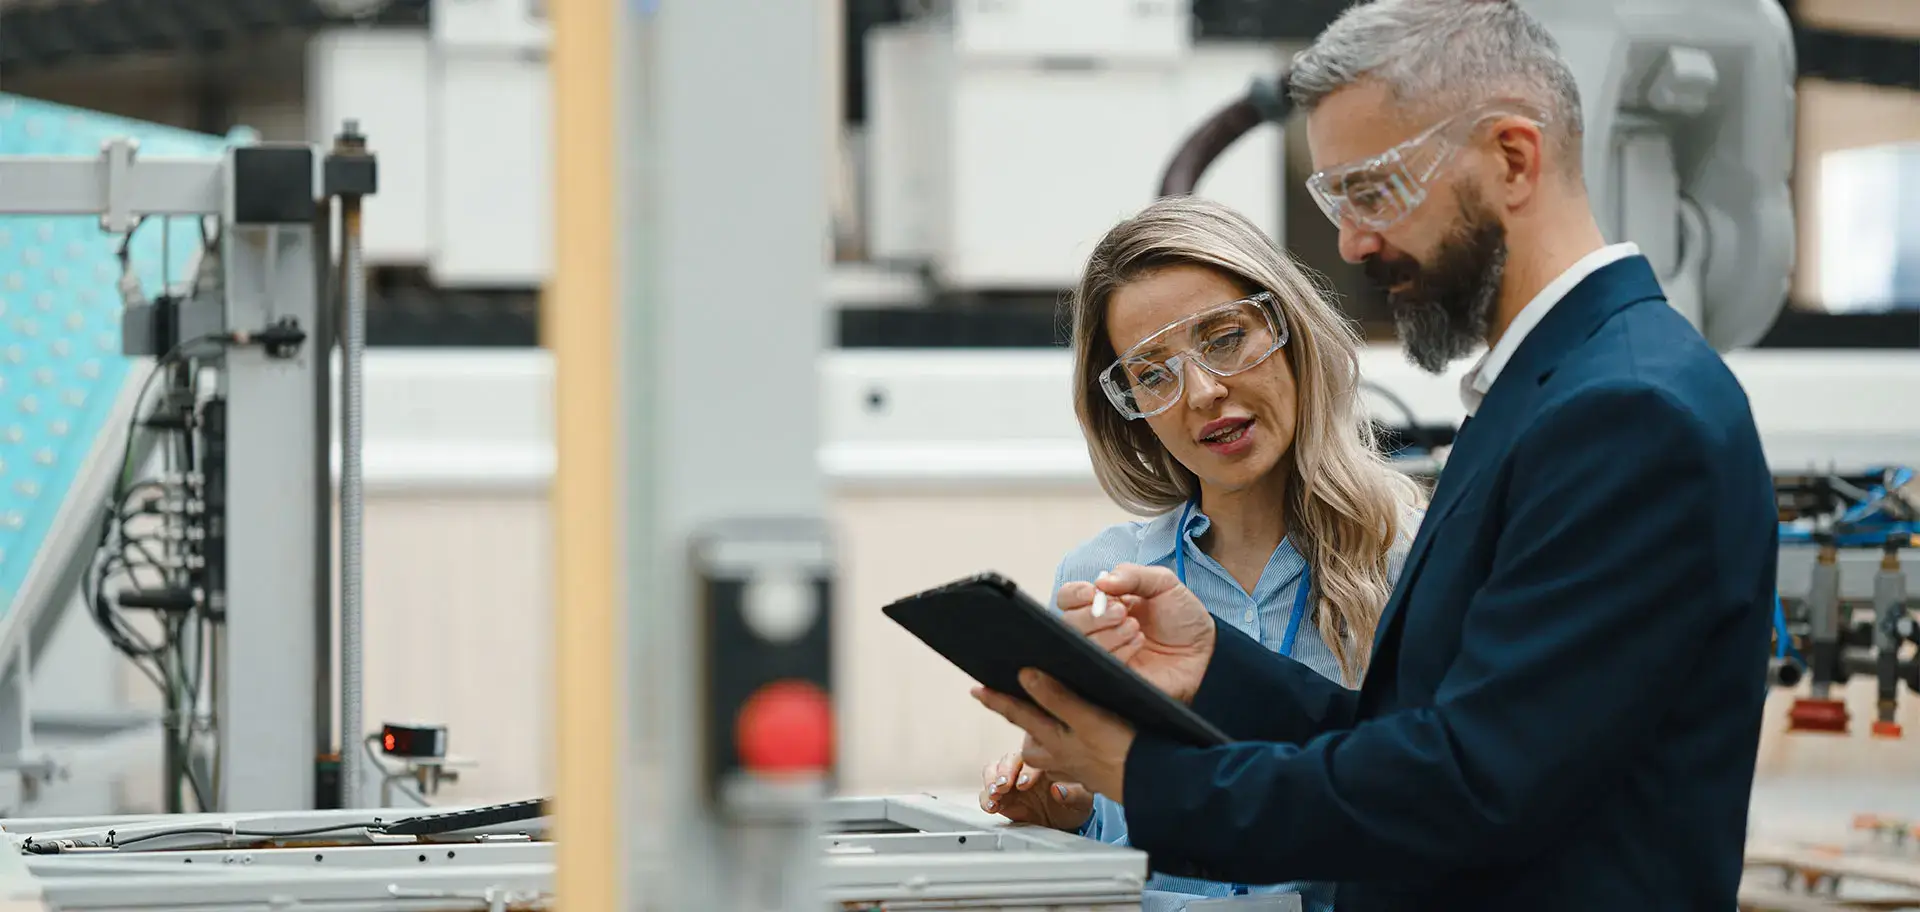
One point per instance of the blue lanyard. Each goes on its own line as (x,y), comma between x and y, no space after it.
(1299,594)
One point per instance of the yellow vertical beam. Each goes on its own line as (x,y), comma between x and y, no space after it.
(581,331)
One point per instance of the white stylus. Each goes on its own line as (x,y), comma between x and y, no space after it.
(1099,598)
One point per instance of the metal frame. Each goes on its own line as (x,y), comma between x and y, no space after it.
(268,744)
(708,185)
(898,850)
(48,589)
(268,271)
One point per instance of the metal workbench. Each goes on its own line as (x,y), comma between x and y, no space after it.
(909,852)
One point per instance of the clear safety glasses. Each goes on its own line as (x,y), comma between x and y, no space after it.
(1377,193)
(1223,341)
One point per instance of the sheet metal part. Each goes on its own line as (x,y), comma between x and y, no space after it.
(902,851)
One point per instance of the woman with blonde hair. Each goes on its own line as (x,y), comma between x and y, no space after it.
(1218,390)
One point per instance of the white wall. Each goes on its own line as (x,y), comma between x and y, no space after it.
(458,571)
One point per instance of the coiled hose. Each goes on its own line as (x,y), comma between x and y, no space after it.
(1266,101)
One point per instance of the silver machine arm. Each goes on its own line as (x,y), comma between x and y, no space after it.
(1689,121)
(1689,112)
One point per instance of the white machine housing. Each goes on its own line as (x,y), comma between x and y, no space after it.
(1689,112)
(1003,137)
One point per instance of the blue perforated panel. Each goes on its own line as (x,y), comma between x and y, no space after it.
(60,363)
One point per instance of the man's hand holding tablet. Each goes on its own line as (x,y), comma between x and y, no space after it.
(1149,621)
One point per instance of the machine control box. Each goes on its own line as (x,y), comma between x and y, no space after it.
(764,591)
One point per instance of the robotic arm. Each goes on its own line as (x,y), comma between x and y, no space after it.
(1689,114)
(1689,111)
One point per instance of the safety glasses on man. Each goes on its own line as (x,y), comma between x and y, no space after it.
(1375,194)
(1223,341)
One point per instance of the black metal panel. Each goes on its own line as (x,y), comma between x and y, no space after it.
(57,33)
(421,318)
(1875,60)
(936,327)
(1271,20)
(273,185)
(1804,329)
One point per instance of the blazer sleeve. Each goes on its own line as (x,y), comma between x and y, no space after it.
(1255,694)
(1593,609)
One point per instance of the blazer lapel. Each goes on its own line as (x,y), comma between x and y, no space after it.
(1484,438)
(1465,463)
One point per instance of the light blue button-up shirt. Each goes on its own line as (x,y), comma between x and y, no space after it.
(1261,614)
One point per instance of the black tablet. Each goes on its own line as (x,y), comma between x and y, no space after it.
(990,629)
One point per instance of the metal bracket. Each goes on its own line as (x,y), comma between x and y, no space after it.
(117,217)
(18,754)
(496,898)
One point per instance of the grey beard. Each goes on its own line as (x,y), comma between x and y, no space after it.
(1437,332)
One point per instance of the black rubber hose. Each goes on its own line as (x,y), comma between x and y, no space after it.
(1205,144)
(1266,101)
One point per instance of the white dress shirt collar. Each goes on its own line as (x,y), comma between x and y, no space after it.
(1475,384)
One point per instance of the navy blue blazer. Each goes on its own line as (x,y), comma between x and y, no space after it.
(1563,706)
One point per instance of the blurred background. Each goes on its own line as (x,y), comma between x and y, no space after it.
(965,195)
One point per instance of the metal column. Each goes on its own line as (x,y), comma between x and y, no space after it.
(267,738)
(268,752)
(715,284)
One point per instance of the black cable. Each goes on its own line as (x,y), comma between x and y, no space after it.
(250,834)
(176,667)
(145,655)
(124,485)
(441,822)
(1406,411)
(128,641)
(1266,101)
(125,253)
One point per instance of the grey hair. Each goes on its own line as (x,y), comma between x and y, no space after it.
(1437,57)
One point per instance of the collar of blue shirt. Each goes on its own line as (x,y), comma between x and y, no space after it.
(1162,534)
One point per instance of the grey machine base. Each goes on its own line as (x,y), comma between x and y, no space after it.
(909,852)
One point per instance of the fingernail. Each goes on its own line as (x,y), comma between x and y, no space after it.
(1024,777)
(992,805)
(1060,792)
(1000,782)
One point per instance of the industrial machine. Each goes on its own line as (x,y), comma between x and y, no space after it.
(688,293)
(1852,616)
(167,452)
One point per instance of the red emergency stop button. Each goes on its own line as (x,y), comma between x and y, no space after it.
(786,727)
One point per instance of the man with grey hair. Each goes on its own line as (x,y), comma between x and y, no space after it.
(1563,706)
(1392,92)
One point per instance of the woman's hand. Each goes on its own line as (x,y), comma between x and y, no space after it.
(1027,794)
(1150,621)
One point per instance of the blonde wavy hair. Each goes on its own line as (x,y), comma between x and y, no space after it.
(1347,505)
